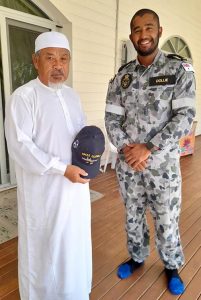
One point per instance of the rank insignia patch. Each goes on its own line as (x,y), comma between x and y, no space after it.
(126,81)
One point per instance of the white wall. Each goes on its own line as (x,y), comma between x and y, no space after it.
(93,51)
(93,43)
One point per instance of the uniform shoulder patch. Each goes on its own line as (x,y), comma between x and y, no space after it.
(176,56)
(112,79)
(125,65)
(188,67)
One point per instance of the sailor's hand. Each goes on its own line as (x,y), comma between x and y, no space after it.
(73,173)
(141,166)
(135,154)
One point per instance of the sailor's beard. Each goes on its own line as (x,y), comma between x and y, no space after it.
(56,86)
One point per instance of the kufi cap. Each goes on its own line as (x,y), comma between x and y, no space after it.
(51,39)
(87,149)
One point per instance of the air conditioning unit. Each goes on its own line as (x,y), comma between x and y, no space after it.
(128,52)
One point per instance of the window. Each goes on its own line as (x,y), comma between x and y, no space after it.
(24,6)
(21,37)
(177,45)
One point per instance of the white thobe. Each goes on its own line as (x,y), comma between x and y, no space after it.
(54,214)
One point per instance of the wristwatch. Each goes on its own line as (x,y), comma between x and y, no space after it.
(150,146)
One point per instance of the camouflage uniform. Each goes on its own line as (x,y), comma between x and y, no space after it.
(153,104)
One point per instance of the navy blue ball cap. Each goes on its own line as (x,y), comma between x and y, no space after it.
(87,148)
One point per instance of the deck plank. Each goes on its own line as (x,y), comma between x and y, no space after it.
(109,244)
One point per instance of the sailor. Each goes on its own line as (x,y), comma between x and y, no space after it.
(150,105)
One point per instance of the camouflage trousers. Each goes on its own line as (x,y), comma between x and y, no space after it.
(158,188)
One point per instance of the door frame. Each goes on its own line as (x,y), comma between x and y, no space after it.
(40,24)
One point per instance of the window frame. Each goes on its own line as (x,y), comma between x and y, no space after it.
(175,50)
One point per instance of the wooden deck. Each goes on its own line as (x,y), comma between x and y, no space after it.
(109,245)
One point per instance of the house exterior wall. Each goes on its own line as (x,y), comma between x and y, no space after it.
(95,55)
(93,51)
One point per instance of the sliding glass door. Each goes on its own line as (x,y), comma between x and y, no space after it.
(17,34)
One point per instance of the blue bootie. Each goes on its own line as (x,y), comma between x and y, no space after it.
(175,284)
(125,270)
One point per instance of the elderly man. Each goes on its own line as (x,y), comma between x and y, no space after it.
(42,119)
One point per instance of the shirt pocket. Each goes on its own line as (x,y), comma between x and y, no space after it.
(161,92)
(159,100)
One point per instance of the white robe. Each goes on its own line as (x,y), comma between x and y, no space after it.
(54,214)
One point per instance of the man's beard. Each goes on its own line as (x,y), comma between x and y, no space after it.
(148,51)
(56,86)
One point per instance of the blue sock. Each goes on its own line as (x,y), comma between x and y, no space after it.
(175,284)
(126,269)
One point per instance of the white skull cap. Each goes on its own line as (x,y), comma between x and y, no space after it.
(51,39)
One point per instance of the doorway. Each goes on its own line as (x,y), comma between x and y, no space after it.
(17,36)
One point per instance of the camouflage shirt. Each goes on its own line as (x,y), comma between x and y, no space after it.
(154,103)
